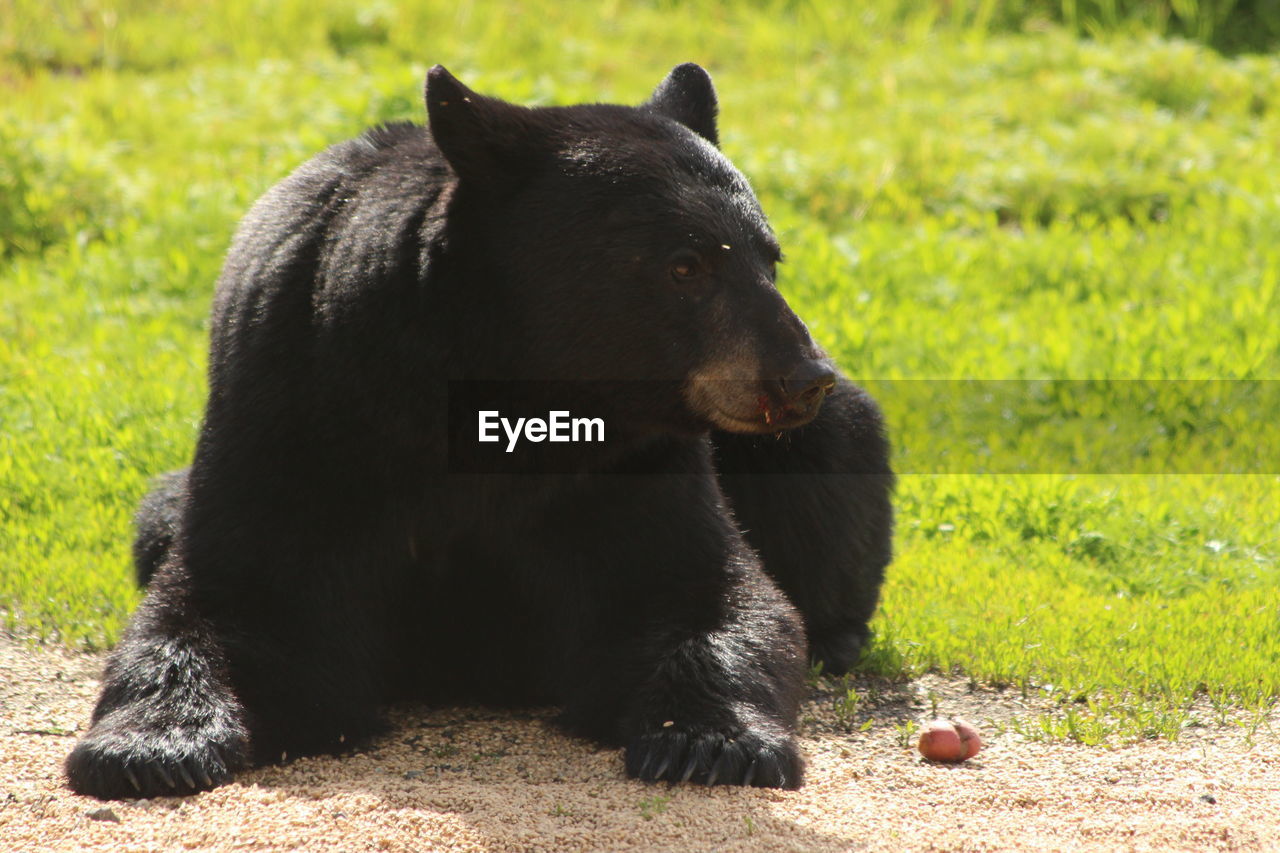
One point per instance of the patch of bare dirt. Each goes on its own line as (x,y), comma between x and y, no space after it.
(475,779)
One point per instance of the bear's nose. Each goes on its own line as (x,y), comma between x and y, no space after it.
(805,387)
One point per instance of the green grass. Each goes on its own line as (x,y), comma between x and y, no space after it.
(958,197)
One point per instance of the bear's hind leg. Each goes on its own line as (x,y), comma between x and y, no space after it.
(157,522)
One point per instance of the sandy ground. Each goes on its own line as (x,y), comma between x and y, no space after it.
(476,779)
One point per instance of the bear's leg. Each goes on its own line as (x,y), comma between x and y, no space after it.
(167,721)
(188,700)
(719,706)
(815,503)
(681,649)
(157,523)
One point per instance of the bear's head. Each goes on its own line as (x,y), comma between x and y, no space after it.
(618,244)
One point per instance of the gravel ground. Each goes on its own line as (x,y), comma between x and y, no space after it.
(476,779)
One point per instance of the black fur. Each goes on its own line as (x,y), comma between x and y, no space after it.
(157,523)
(815,504)
(328,551)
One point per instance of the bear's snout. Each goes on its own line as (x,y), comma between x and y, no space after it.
(760,405)
(795,399)
(807,385)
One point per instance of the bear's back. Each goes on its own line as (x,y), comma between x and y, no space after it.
(320,311)
(353,221)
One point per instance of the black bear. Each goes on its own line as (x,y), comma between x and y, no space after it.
(340,541)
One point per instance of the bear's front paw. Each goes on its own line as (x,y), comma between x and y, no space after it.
(714,758)
(113,763)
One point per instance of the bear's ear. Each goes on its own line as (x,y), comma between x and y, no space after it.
(688,97)
(483,139)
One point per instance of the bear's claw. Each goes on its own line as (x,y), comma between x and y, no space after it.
(691,766)
(713,758)
(111,764)
(204,777)
(722,764)
(158,769)
(186,775)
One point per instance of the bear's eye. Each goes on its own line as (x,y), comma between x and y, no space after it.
(685,266)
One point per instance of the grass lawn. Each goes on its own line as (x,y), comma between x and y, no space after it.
(957,201)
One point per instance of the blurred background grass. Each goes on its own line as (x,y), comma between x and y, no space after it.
(965,191)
